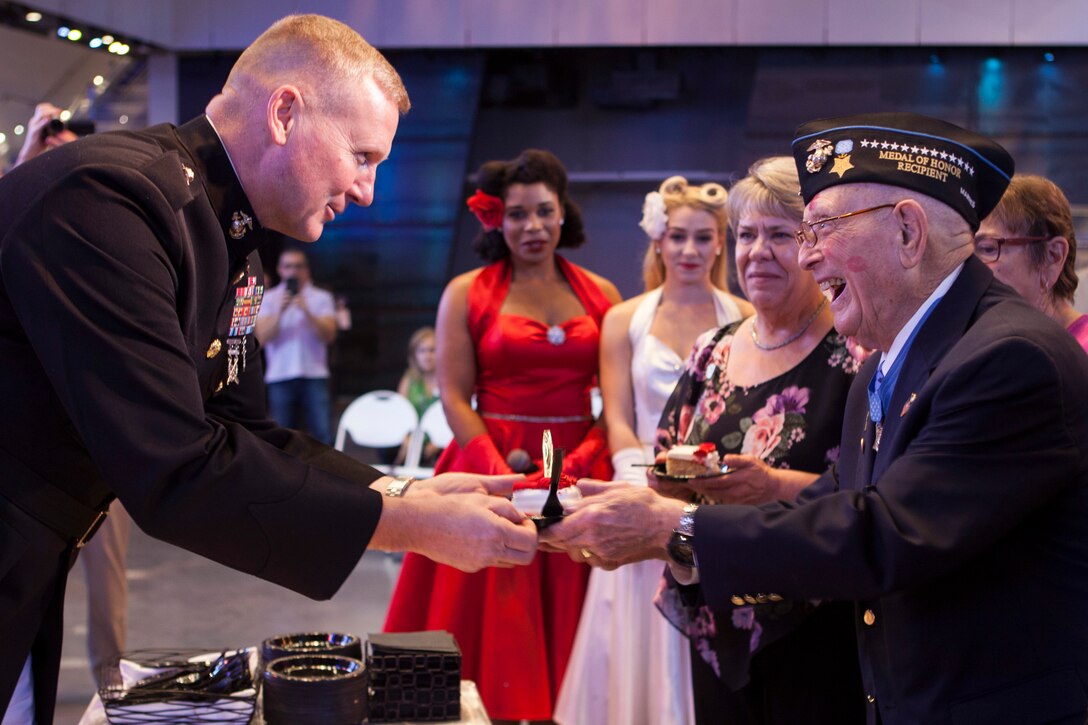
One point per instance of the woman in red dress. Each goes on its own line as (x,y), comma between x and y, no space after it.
(522,334)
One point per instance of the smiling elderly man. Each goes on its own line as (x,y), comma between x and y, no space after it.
(957,516)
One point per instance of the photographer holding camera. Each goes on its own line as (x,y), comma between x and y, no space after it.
(44,131)
(296,324)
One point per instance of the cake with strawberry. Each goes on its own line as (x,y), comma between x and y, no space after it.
(700,460)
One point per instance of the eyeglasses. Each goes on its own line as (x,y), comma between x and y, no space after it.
(806,235)
(988,249)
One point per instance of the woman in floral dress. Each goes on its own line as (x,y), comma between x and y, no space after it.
(769,392)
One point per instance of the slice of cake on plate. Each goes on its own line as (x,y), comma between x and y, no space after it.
(700,460)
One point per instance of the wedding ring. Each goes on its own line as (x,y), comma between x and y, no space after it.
(587,554)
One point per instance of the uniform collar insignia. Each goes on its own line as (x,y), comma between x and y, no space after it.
(189,174)
(240,224)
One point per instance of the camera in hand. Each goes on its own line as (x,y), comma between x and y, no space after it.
(292,285)
(80,127)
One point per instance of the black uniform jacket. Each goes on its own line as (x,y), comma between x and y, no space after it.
(963,539)
(118,279)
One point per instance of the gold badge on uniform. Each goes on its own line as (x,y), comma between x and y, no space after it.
(189,174)
(240,223)
(906,405)
(819,152)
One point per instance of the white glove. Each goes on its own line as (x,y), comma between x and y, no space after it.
(625,463)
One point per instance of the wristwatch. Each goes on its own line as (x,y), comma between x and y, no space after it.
(399,486)
(681,546)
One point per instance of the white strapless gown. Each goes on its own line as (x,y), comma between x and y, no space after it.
(629,666)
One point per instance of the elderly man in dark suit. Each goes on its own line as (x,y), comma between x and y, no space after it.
(957,515)
(129,287)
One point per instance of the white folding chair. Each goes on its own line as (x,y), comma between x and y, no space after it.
(434,425)
(378,419)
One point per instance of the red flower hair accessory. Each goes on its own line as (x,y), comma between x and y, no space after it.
(487,208)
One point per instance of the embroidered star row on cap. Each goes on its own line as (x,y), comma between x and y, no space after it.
(943,155)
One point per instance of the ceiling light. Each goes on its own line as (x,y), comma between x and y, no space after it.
(20,129)
(63,31)
(107,39)
(33,17)
(98,80)
(122,120)
(65,115)
(3,137)
(124,49)
(95,43)
(75,34)
(115,46)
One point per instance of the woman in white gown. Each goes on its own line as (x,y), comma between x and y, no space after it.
(630,666)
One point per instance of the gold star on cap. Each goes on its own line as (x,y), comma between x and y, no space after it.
(189,174)
(842,165)
(240,223)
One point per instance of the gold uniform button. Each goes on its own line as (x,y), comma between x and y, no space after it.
(219,387)
(213,349)
(869,617)
(737,600)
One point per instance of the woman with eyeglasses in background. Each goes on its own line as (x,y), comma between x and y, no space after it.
(1029,243)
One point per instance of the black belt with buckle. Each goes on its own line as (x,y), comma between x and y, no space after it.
(71,519)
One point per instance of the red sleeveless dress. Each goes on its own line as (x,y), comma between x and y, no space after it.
(515,626)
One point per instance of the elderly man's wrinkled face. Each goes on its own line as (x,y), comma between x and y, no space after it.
(855,263)
(331,160)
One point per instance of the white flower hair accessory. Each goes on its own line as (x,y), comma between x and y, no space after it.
(654,219)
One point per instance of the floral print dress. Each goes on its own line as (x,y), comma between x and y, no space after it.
(791,421)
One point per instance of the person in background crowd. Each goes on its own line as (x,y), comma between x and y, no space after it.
(957,516)
(129,282)
(1029,243)
(629,665)
(522,334)
(296,325)
(40,135)
(769,393)
(420,385)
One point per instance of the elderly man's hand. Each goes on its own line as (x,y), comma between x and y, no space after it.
(615,524)
(471,531)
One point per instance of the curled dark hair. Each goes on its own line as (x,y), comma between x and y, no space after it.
(530,167)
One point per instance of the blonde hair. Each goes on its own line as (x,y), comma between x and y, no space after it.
(770,189)
(675,193)
(417,339)
(323,56)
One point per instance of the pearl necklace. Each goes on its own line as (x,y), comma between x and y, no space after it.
(793,338)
